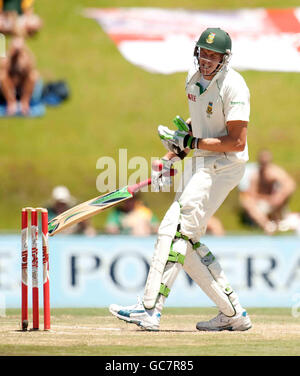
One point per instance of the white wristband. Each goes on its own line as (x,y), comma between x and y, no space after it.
(196,143)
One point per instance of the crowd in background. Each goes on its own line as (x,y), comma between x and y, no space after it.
(22,89)
(264,192)
(20,82)
(264,195)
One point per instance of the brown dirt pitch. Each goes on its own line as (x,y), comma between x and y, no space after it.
(94,332)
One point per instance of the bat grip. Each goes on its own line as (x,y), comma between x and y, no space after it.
(136,187)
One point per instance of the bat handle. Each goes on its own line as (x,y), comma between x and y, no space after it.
(136,187)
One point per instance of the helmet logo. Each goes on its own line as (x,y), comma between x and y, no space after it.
(210,38)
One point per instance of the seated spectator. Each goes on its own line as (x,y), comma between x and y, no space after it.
(215,227)
(20,85)
(61,201)
(132,217)
(17,18)
(265,199)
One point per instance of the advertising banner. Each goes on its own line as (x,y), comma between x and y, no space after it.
(98,271)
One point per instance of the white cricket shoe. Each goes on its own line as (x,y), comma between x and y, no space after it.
(137,314)
(240,322)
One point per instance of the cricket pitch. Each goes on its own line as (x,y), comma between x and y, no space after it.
(95,332)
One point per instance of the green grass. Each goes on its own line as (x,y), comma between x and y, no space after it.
(116,105)
(80,332)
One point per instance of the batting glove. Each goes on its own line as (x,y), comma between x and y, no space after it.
(175,141)
(183,140)
(181,124)
(161,174)
(166,135)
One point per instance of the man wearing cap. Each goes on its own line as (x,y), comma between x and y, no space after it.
(219,105)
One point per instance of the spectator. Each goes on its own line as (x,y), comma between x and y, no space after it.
(132,217)
(61,201)
(17,18)
(20,85)
(215,227)
(266,198)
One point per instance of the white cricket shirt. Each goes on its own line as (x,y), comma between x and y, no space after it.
(226,98)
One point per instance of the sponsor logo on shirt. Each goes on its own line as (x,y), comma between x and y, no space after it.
(233,103)
(192,97)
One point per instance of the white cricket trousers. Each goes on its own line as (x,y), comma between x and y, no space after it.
(204,185)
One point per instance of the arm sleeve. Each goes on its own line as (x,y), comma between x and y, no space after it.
(237,101)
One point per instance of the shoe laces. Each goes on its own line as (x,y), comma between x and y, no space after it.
(220,318)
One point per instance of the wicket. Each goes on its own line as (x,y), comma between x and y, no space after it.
(34,258)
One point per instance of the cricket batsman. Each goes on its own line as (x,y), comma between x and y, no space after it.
(219,105)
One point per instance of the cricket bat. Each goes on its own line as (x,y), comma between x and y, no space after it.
(96,205)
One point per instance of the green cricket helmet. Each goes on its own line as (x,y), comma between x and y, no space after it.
(215,39)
